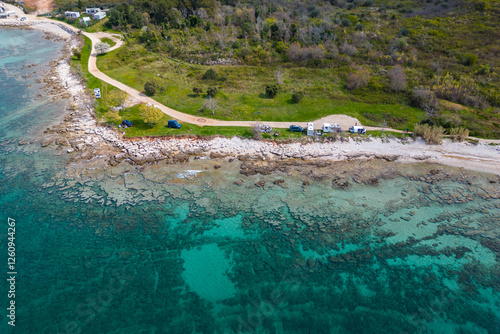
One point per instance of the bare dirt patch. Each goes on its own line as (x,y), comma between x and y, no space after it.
(41,6)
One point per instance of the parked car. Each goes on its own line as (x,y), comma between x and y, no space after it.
(173,124)
(127,123)
(265,128)
(295,128)
(23,18)
(357,129)
(97,93)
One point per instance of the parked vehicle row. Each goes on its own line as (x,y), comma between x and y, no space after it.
(327,128)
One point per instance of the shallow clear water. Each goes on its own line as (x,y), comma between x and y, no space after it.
(129,250)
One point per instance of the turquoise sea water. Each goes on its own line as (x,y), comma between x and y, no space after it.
(132,250)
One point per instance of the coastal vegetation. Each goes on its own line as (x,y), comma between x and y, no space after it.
(384,62)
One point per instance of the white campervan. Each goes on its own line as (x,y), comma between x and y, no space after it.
(357,129)
(331,127)
(310,129)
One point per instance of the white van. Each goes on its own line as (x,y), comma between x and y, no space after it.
(357,129)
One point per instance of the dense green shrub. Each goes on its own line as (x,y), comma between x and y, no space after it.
(197,90)
(404,32)
(212,91)
(315,12)
(480,6)
(346,23)
(468,59)
(485,69)
(272,90)
(210,74)
(297,96)
(151,87)
(359,26)
(77,54)
(401,43)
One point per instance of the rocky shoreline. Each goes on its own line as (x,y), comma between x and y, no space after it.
(84,139)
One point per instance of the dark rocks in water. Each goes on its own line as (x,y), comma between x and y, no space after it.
(367,257)
(23,142)
(215,155)
(310,263)
(238,183)
(337,182)
(217,166)
(47,142)
(314,175)
(244,157)
(89,155)
(372,181)
(347,257)
(493,244)
(181,157)
(336,259)
(260,183)
(196,151)
(279,181)
(62,142)
(120,157)
(252,169)
(305,183)
(112,162)
(143,160)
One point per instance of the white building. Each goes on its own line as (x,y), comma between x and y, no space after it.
(86,20)
(99,15)
(72,15)
(91,11)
